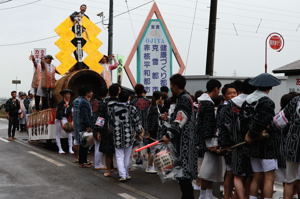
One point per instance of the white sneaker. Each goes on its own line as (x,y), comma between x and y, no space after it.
(71,151)
(151,170)
(61,152)
(122,179)
(102,166)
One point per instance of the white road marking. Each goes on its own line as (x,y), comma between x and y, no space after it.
(47,159)
(136,191)
(4,140)
(126,196)
(122,185)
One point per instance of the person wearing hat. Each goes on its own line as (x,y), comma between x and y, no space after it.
(64,120)
(258,112)
(47,82)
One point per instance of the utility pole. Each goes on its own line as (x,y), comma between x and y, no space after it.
(110,28)
(211,38)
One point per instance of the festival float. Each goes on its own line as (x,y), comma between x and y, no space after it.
(79,66)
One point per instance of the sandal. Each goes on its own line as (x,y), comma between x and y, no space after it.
(84,166)
(107,174)
(101,168)
(89,162)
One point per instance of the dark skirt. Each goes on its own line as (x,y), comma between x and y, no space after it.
(107,144)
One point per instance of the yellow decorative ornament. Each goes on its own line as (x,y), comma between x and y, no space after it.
(92,44)
(67,48)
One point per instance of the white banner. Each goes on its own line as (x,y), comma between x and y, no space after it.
(38,53)
(154,58)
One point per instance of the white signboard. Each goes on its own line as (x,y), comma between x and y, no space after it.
(293,84)
(154,57)
(41,125)
(39,53)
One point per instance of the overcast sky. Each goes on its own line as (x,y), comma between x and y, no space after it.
(239,52)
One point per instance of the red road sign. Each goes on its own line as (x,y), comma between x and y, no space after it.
(276,42)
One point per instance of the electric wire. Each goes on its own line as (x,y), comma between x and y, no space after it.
(50,37)
(130,18)
(18,6)
(191,38)
(5,1)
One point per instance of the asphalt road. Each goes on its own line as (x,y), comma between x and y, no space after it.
(37,171)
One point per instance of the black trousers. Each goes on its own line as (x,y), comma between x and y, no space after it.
(12,125)
(83,153)
(186,189)
(45,103)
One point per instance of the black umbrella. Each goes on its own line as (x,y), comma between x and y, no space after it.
(264,80)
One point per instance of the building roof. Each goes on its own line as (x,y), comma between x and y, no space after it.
(289,69)
(230,78)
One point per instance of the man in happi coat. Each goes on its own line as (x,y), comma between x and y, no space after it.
(213,166)
(182,135)
(126,125)
(230,134)
(107,145)
(258,112)
(289,118)
(142,104)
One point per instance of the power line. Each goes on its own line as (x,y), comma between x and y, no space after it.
(89,6)
(28,42)
(50,37)
(258,18)
(5,1)
(191,37)
(251,10)
(196,25)
(130,18)
(18,6)
(275,10)
(130,10)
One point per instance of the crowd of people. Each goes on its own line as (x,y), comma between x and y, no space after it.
(17,108)
(235,139)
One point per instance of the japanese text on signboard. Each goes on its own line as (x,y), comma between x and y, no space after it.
(39,53)
(154,58)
